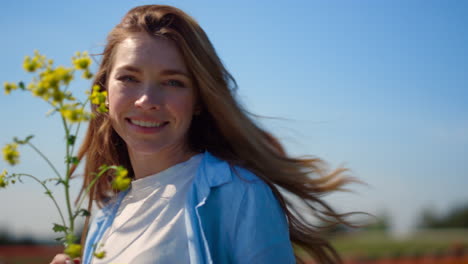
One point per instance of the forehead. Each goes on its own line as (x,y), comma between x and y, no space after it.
(147,52)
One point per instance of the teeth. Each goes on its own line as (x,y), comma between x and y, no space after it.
(146,123)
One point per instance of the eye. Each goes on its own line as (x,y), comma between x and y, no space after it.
(175,83)
(127,78)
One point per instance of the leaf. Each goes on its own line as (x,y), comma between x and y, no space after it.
(61,181)
(22,86)
(60,239)
(24,141)
(71,140)
(48,193)
(50,179)
(59,228)
(73,160)
(81,212)
(84,212)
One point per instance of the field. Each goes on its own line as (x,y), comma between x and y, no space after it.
(429,246)
(375,244)
(369,247)
(28,254)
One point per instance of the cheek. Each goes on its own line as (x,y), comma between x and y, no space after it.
(182,107)
(117,105)
(117,99)
(114,105)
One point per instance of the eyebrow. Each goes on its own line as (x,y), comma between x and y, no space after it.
(164,72)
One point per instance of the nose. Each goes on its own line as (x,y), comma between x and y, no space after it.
(151,97)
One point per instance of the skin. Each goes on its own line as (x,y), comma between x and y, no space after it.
(150,82)
(64,259)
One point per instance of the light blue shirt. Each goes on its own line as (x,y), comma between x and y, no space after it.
(231,217)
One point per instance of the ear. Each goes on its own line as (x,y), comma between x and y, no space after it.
(106,102)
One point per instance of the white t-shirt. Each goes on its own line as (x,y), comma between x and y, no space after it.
(149,226)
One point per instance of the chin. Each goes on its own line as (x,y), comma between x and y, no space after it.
(146,149)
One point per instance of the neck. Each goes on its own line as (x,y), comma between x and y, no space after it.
(146,164)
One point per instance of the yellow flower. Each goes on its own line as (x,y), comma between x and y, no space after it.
(48,85)
(11,154)
(34,63)
(31,64)
(99,98)
(9,87)
(40,91)
(121,172)
(121,182)
(74,113)
(82,61)
(73,250)
(87,75)
(100,255)
(58,96)
(63,74)
(48,80)
(51,78)
(3,182)
(102,108)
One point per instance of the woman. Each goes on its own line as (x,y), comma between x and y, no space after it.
(206,178)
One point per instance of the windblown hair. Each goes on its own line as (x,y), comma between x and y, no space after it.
(223,128)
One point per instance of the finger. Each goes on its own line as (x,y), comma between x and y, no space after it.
(61,259)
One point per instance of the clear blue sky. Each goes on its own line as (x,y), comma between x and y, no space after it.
(380,86)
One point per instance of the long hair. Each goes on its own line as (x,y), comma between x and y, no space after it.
(223,128)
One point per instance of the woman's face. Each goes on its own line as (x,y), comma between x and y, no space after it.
(151,95)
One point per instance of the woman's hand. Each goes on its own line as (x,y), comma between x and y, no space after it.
(64,259)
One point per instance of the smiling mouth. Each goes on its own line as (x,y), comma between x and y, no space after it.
(147,123)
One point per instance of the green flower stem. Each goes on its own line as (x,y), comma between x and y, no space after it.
(76,135)
(47,190)
(67,177)
(88,188)
(78,127)
(45,158)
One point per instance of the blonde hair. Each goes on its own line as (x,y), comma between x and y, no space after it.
(223,128)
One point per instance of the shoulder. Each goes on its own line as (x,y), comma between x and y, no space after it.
(218,172)
(237,195)
(254,223)
(248,187)
(230,181)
